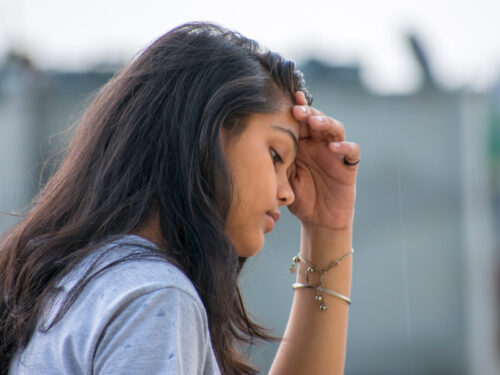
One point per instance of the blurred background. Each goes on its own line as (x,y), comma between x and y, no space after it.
(417,85)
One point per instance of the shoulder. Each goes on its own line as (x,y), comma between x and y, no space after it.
(130,269)
(129,262)
(126,270)
(136,310)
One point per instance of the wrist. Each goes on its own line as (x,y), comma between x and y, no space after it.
(325,262)
(336,221)
(321,245)
(326,233)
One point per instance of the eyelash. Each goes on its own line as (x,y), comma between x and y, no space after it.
(276,157)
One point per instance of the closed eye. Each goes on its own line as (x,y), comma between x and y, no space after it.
(276,157)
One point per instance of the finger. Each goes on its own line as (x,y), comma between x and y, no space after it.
(329,128)
(326,128)
(303,112)
(349,150)
(300,98)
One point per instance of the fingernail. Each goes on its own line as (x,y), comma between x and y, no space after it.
(303,109)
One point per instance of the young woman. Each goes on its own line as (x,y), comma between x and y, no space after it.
(128,261)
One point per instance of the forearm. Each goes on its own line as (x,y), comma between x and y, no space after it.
(315,341)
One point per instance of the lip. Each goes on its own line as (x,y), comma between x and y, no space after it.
(275,215)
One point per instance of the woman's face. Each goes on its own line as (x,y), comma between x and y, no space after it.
(261,160)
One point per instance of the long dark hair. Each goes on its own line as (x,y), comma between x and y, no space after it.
(149,144)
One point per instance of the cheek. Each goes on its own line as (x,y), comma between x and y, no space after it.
(259,184)
(255,174)
(255,182)
(256,195)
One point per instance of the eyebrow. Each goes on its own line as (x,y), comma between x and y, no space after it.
(289,132)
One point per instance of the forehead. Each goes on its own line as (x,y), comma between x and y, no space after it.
(281,118)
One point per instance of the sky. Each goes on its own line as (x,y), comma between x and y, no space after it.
(461,37)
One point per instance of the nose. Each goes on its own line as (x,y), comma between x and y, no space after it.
(285,193)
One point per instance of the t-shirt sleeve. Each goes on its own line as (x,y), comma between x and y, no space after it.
(161,332)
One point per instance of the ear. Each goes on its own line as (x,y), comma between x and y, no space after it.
(224,137)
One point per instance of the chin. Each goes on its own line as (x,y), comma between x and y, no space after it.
(250,248)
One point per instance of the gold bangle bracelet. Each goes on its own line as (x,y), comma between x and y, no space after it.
(319,294)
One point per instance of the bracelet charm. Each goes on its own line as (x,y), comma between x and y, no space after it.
(295,259)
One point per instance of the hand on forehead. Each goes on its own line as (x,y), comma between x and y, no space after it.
(314,124)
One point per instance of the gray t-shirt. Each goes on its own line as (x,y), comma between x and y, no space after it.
(136,317)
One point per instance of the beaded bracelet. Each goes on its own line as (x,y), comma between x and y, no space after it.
(319,289)
(312,268)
